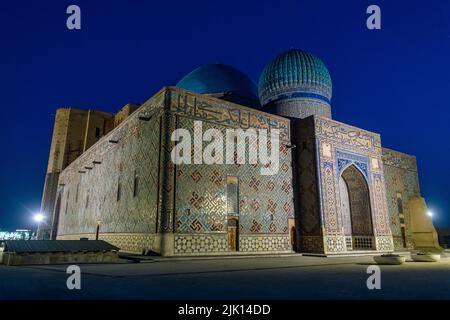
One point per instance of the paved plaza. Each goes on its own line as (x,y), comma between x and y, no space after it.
(283,277)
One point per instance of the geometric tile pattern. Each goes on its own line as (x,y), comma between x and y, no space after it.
(130,242)
(266,202)
(198,193)
(166,175)
(384,243)
(264,243)
(91,190)
(202,243)
(341,145)
(346,158)
(380,206)
(332,224)
(400,172)
(335,244)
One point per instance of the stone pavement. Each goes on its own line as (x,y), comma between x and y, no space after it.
(276,277)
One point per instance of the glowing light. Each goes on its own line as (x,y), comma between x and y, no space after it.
(38,217)
(430,214)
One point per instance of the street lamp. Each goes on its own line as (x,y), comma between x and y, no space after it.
(38,217)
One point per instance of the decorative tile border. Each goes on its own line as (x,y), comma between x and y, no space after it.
(335,244)
(129,242)
(186,244)
(269,243)
(384,243)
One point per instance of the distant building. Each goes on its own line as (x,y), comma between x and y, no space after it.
(337,189)
(74,132)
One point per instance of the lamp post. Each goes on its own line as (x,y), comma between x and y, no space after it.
(97,230)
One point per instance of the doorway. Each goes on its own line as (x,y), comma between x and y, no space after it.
(233,234)
(293,239)
(355,209)
(403,236)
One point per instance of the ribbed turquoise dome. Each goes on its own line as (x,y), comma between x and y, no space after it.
(221,78)
(295,73)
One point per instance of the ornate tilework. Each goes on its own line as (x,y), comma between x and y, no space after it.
(91,202)
(400,171)
(335,244)
(129,242)
(384,243)
(266,243)
(331,222)
(200,244)
(266,202)
(344,159)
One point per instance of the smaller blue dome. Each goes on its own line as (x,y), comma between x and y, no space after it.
(223,79)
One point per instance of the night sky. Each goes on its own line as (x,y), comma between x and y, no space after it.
(394,81)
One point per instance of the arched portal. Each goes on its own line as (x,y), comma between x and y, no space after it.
(355,209)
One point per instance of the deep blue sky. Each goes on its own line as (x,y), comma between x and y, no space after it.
(395,81)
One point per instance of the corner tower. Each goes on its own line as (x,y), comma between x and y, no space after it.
(296,84)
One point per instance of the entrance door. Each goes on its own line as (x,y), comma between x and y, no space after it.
(355,209)
(403,236)
(233,235)
(294,239)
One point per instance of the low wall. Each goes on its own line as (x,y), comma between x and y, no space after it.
(14,259)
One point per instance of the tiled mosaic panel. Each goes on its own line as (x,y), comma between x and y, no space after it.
(400,172)
(302,108)
(379,205)
(208,109)
(126,242)
(341,139)
(265,205)
(202,243)
(266,243)
(167,175)
(92,196)
(398,243)
(335,244)
(347,137)
(384,244)
(330,198)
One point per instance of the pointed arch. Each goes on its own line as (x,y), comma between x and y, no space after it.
(355,202)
